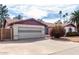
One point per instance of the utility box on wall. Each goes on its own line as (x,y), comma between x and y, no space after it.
(28,31)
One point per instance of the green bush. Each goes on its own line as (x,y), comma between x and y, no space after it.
(72,34)
(57,31)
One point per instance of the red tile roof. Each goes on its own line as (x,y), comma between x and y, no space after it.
(70,25)
(30,21)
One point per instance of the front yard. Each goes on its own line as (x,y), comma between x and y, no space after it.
(36,46)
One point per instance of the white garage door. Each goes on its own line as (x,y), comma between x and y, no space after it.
(28,31)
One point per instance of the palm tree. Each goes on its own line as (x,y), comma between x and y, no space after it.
(19,17)
(66,14)
(60,13)
(75,18)
(65,17)
(3,15)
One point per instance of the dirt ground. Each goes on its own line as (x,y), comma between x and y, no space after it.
(36,46)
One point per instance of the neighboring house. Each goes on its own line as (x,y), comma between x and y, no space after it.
(70,28)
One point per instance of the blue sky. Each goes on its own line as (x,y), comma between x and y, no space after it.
(40,9)
(47,13)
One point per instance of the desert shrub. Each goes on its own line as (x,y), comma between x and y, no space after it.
(72,34)
(57,31)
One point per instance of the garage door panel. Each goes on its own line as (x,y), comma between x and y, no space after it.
(30,35)
(24,32)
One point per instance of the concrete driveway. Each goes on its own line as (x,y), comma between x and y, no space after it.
(69,51)
(36,46)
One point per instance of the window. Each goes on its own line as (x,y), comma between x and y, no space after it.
(70,29)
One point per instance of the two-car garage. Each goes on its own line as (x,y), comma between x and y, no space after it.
(28,31)
(29,28)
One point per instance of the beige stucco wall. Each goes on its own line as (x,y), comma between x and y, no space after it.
(73,29)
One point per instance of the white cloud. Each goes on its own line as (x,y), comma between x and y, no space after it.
(70,8)
(51,8)
(39,11)
(27,10)
(39,2)
(51,20)
(36,13)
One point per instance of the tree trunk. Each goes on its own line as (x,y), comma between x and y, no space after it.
(78,27)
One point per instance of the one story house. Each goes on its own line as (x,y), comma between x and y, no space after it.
(48,26)
(29,28)
(32,21)
(70,27)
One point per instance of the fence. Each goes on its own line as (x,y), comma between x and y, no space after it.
(5,34)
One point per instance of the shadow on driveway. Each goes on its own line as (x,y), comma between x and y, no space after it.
(22,40)
(61,39)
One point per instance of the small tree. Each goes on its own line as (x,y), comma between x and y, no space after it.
(3,15)
(57,31)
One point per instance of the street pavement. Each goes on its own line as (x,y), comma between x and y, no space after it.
(39,47)
(69,51)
